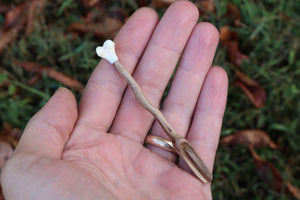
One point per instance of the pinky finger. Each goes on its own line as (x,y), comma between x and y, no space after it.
(207,122)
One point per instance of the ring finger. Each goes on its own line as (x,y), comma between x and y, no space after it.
(179,105)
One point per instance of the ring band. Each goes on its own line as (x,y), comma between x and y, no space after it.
(160,142)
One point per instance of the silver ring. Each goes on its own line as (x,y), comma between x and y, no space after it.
(160,142)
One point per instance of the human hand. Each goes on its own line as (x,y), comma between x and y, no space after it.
(68,154)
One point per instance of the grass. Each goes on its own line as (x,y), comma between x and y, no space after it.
(272,45)
(269,34)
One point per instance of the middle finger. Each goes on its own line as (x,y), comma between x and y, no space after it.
(155,68)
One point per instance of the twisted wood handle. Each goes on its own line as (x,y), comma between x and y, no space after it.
(181,145)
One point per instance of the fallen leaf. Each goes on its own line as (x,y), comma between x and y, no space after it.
(227,35)
(15,17)
(78,28)
(35,9)
(107,29)
(6,151)
(270,174)
(52,73)
(102,26)
(251,137)
(253,90)
(205,6)
(255,93)
(234,13)
(6,38)
(229,39)
(15,20)
(89,3)
(234,54)
(162,3)
(267,172)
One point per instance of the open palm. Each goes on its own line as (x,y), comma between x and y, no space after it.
(66,153)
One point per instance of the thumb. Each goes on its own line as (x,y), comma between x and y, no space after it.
(48,130)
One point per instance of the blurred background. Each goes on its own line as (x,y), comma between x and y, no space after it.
(45,44)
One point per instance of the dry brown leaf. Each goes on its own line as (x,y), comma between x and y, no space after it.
(35,9)
(229,39)
(52,73)
(162,3)
(6,37)
(251,137)
(99,14)
(267,172)
(89,3)
(227,35)
(234,54)
(16,19)
(205,6)
(270,174)
(106,28)
(100,23)
(78,28)
(14,22)
(234,13)
(252,89)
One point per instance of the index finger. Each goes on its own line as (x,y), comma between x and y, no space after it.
(105,87)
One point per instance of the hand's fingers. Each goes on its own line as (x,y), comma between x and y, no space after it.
(207,122)
(179,106)
(155,69)
(105,87)
(49,129)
